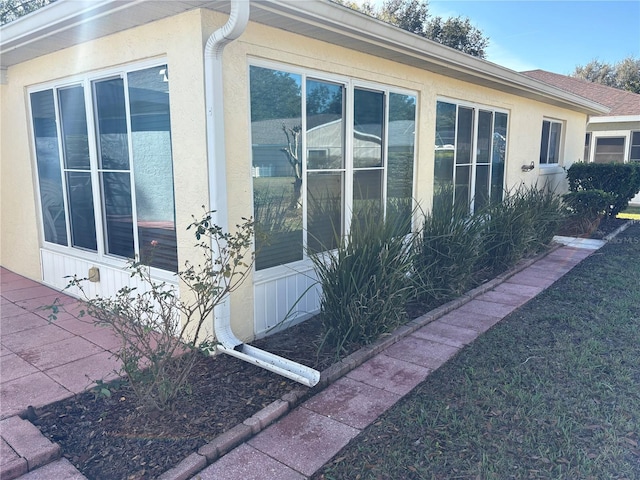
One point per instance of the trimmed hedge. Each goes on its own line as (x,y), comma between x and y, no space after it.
(620,180)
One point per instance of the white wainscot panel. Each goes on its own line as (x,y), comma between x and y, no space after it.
(285,301)
(56,266)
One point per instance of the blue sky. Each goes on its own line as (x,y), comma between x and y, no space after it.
(551,35)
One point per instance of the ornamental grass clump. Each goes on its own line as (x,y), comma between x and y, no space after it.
(364,282)
(445,251)
(522,224)
(162,332)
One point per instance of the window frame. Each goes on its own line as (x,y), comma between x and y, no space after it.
(87,82)
(559,162)
(625,146)
(349,85)
(632,134)
(477,108)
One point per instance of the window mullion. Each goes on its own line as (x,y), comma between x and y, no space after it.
(134,210)
(63,171)
(303,146)
(93,127)
(385,152)
(347,167)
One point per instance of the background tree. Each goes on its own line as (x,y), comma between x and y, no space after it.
(12,9)
(413,16)
(624,74)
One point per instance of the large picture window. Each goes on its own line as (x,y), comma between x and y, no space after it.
(316,163)
(470,153)
(104,162)
(550,142)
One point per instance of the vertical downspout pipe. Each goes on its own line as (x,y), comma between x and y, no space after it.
(214,96)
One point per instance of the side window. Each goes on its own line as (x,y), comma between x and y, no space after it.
(609,149)
(470,153)
(587,148)
(634,154)
(113,197)
(550,142)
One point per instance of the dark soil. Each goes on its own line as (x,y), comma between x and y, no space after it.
(115,437)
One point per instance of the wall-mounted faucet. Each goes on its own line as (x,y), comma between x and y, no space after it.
(528,168)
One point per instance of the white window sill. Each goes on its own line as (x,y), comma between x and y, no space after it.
(551,169)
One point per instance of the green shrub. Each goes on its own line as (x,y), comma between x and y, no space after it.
(446,251)
(364,282)
(585,209)
(622,181)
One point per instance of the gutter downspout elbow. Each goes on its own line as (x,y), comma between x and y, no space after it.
(214,94)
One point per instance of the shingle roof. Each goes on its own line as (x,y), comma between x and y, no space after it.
(619,101)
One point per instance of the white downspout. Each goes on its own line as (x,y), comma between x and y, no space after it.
(227,341)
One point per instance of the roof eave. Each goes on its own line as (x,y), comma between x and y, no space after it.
(324,20)
(614,119)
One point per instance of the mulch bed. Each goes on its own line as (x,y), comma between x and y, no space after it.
(115,437)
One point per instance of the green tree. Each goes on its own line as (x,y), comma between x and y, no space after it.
(624,74)
(13,9)
(413,16)
(458,33)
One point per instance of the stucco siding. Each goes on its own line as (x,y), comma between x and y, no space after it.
(179,41)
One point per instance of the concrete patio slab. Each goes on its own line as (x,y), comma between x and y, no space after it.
(17,319)
(59,353)
(425,353)
(34,338)
(474,321)
(12,367)
(390,374)
(485,307)
(582,243)
(104,338)
(528,278)
(352,402)
(509,288)
(247,463)
(82,374)
(32,291)
(58,470)
(36,389)
(303,440)
(446,333)
(28,443)
(512,299)
(77,326)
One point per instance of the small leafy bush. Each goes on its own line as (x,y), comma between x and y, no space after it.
(162,332)
(585,209)
(622,181)
(446,251)
(364,282)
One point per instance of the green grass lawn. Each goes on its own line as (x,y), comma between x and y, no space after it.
(553,391)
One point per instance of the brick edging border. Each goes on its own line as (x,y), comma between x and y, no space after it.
(224,443)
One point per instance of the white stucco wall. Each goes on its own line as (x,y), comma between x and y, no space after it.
(179,41)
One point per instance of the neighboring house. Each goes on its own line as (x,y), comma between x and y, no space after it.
(610,137)
(121,119)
